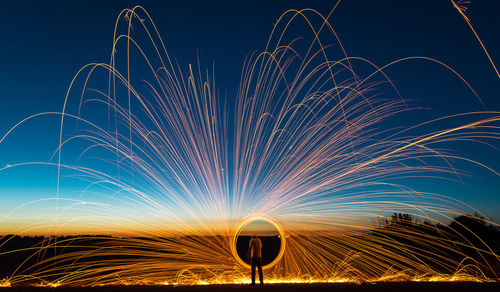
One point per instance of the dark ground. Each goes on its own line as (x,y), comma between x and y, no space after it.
(337,287)
(270,248)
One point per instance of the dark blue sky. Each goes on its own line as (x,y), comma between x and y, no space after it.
(44,43)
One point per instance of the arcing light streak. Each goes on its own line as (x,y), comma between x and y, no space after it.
(311,148)
(459,5)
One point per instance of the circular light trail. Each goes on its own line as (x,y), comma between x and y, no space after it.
(249,220)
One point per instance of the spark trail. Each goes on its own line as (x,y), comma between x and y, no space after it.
(461,7)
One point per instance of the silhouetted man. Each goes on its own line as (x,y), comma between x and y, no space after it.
(255,255)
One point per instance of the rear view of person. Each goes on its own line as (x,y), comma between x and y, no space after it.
(255,255)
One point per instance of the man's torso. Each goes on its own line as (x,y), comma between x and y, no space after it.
(256,246)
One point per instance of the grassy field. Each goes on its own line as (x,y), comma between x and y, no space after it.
(338,287)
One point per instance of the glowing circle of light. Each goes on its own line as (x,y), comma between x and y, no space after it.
(249,220)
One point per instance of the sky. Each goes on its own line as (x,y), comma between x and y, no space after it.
(259,227)
(43,44)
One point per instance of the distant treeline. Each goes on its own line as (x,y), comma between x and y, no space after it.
(469,228)
(468,239)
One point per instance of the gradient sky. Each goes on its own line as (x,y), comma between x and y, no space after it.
(44,43)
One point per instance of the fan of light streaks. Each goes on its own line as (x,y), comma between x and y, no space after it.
(172,167)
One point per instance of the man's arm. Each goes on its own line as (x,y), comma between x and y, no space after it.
(249,249)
